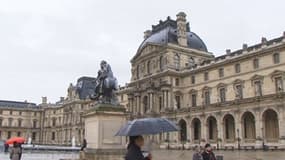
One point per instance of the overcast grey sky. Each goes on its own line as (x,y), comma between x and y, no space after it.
(45,45)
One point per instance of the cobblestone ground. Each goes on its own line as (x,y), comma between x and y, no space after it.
(164,155)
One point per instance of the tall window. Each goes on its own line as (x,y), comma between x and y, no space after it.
(207,97)
(1,122)
(176,81)
(138,71)
(1,112)
(148,67)
(160,103)
(53,122)
(239,92)
(20,113)
(237,68)
(177,100)
(279,84)
(221,72)
(53,136)
(206,76)
(9,135)
(194,100)
(10,121)
(34,135)
(11,112)
(256,63)
(276,58)
(161,63)
(222,95)
(177,62)
(19,123)
(19,134)
(258,88)
(193,79)
(34,124)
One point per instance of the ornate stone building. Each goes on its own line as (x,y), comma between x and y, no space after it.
(233,100)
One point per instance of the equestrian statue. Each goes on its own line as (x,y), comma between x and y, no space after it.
(105,85)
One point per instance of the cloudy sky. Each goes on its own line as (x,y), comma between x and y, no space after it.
(45,45)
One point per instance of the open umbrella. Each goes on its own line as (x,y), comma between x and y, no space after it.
(147,126)
(15,139)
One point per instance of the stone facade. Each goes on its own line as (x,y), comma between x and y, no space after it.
(234,100)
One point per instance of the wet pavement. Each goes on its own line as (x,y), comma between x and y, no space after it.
(163,155)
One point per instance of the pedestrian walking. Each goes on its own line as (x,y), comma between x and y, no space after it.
(15,153)
(134,149)
(6,147)
(84,144)
(198,153)
(208,154)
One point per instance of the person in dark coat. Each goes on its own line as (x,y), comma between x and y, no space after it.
(6,147)
(84,145)
(134,149)
(208,153)
(197,155)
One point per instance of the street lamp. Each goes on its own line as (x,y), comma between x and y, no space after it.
(238,139)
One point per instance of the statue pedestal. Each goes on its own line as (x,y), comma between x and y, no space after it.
(101,124)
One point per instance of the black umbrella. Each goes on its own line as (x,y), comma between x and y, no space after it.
(147,126)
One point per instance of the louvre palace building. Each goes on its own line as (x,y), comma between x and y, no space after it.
(235,100)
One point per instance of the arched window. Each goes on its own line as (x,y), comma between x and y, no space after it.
(177,61)
(256,63)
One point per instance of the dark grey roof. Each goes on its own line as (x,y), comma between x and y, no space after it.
(166,32)
(85,87)
(15,104)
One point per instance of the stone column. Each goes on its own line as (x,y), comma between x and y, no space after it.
(258,129)
(203,129)
(164,99)
(220,127)
(238,130)
(281,127)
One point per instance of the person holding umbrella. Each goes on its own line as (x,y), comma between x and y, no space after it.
(144,126)
(134,149)
(15,152)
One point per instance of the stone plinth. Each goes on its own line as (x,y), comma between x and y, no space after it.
(101,124)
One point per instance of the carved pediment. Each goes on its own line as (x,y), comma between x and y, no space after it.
(277,73)
(257,77)
(193,91)
(221,85)
(238,81)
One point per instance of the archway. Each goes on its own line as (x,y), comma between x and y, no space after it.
(183,130)
(196,129)
(229,127)
(248,126)
(212,128)
(271,126)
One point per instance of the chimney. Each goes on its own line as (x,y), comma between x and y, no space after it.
(147,33)
(44,100)
(228,51)
(61,99)
(181,29)
(244,46)
(263,40)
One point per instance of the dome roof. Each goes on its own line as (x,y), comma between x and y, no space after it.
(166,32)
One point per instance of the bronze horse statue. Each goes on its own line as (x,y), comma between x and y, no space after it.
(105,85)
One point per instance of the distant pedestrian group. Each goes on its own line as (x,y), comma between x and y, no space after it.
(206,154)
